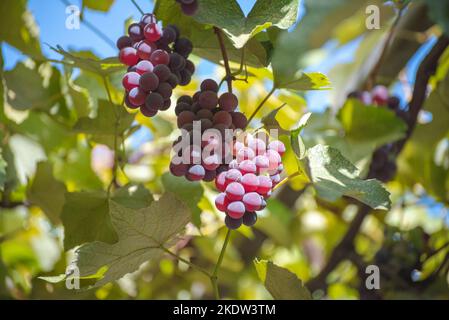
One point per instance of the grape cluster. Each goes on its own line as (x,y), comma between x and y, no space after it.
(207,110)
(188,7)
(157,61)
(383,164)
(253,173)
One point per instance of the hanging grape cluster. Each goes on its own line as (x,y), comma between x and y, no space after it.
(210,112)
(253,173)
(383,165)
(157,61)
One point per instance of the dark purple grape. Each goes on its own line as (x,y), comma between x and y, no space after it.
(162,72)
(177,62)
(249,219)
(190,9)
(178,170)
(233,223)
(169,35)
(210,175)
(186,77)
(239,120)
(185,99)
(124,42)
(165,90)
(173,80)
(209,85)
(180,107)
(148,112)
(175,29)
(185,117)
(184,47)
(166,106)
(204,114)
(228,101)
(190,66)
(154,101)
(208,99)
(222,117)
(148,82)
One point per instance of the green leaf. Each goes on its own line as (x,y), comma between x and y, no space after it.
(333,176)
(439,13)
(281,283)
(297,143)
(29,90)
(370,124)
(99,5)
(270,123)
(314,29)
(228,16)
(86,215)
(18,28)
(103,128)
(205,43)
(142,234)
(101,67)
(302,82)
(190,193)
(46,192)
(133,196)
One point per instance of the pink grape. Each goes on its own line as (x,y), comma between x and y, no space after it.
(236,209)
(250,182)
(235,191)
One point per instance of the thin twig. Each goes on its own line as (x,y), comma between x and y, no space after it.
(391,33)
(194,266)
(261,104)
(94,29)
(137,6)
(224,53)
(214,276)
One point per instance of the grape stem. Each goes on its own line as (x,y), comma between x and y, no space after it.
(261,104)
(214,276)
(94,29)
(137,6)
(224,53)
(117,123)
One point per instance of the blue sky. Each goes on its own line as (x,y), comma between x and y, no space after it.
(51,17)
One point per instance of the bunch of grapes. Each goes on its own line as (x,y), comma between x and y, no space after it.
(212,114)
(188,7)
(383,164)
(157,61)
(253,173)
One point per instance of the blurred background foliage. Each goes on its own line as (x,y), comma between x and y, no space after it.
(58,132)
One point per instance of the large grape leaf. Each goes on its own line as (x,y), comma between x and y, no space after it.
(142,236)
(228,16)
(257,49)
(281,283)
(86,215)
(333,176)
(303,81)
(370,124)
(46,192)
(190,193)
(18,28)
(33,89)
(111,121)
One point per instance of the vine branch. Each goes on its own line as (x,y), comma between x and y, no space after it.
(224,53)
(261,104)
(137,6)
(214,276)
